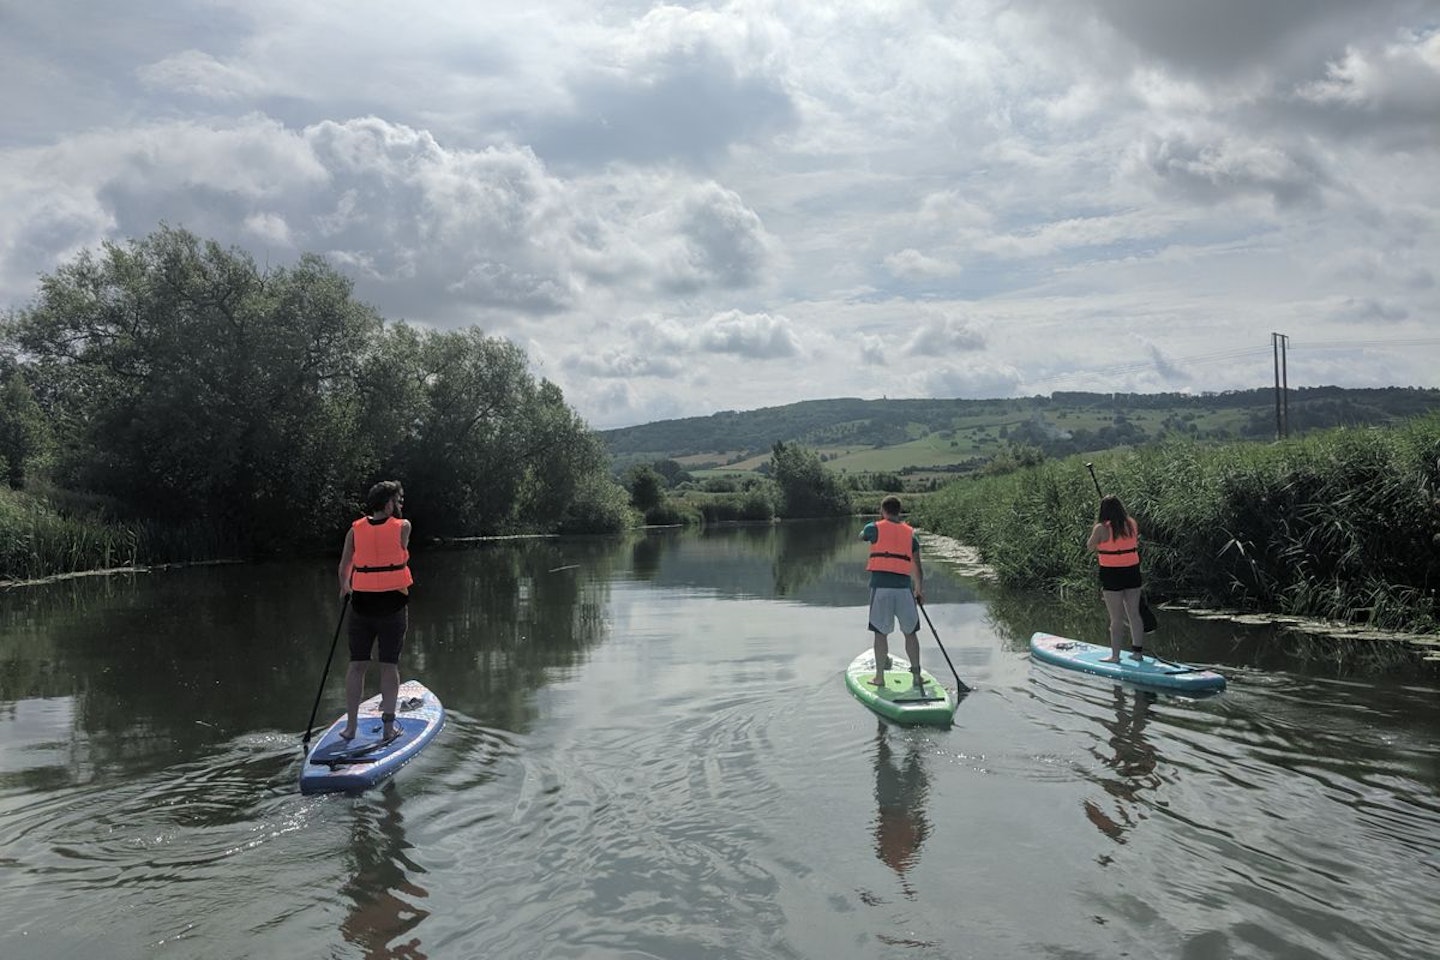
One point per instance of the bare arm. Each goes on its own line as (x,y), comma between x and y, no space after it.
(1098,535)
(405,534)
(347,559)
(919,576)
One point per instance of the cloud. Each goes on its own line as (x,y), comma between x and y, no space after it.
(911,264)
(623,365)
(665,195)
(942,335)
(757,336)
(1214,170)
(974,379)
(1167,371)
(1370,310)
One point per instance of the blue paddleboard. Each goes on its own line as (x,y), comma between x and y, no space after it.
(1149,672)
(335,765)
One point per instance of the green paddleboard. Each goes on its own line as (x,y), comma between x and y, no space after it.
(899,700)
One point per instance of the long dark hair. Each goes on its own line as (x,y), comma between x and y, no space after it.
(1112,511)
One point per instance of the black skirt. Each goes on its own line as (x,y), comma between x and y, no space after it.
(1120,578)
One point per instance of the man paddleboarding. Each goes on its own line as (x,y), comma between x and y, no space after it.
(896,586)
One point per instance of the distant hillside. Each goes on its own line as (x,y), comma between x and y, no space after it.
(954,435)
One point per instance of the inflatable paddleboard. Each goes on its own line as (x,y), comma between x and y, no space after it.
(335,765)
(900,700)
(1150,672)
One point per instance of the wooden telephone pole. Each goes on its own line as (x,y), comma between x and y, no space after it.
(1278,343)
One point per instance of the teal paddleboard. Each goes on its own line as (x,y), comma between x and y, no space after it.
(900,699)
(1148,672)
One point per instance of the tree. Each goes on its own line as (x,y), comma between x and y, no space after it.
(191,386)
(673,472)
(807,489)
(24,436)
(647,488)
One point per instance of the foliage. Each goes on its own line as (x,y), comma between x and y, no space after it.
(35,541)
(190,386)
(1343,524)
(807,489)
(192,392)
(599,506)
(647,489)
(24,434)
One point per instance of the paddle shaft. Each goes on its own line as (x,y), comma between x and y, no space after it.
(959,684)
(325,674)
(1098,492)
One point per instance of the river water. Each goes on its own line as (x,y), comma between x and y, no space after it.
(650,752)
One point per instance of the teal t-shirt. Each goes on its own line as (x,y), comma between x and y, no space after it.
(884,578)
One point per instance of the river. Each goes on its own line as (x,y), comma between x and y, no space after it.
(650,752)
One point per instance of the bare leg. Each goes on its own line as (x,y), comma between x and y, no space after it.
(1115,606)
(882,658)
(1132,614)
(912,653)
(354,693)
(389,694)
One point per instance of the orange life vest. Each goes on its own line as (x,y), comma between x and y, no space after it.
(1121,551)
(379,563)
(891,550)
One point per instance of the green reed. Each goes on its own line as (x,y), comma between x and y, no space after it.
(1341,525)
(38,540)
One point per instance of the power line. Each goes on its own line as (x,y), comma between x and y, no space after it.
(1225,356)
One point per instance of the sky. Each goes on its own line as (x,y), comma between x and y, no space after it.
(677,209)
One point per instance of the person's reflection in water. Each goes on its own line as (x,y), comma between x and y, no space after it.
(901,825)
(384,898)
(1131,756)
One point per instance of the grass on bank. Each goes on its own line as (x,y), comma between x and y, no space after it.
(1341,525)
(49,533)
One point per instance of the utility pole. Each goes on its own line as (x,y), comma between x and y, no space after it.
(1278,343)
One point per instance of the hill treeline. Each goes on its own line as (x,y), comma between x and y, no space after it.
(1060,424)
(171,385)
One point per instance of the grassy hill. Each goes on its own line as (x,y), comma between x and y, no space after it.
(921,438)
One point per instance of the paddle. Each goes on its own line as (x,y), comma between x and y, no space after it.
(305,745)
(1147,616)
(960,687)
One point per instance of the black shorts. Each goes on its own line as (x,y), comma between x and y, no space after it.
(388,631)
(1120,578)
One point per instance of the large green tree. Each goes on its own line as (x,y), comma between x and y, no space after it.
(191,387)
(487,448)
(807,489)
(194,387)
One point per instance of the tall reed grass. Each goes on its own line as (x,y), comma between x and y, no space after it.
(38,540)
(1342,525)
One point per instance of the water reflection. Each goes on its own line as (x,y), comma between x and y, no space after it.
(1130,756)
(902,788)
(383,895)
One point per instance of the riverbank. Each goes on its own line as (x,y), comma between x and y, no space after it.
(1337,528)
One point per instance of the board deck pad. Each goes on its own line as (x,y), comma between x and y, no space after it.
(335,765)
(899,700)
(1150,672)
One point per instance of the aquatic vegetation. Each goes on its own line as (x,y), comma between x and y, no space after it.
(1341,525)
